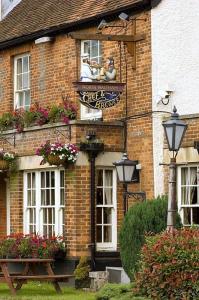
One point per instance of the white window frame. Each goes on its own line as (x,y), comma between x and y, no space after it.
(23,90)
(111,246)
(59,221)
(89,113)
(179,192)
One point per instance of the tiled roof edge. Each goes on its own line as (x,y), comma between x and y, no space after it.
(140,4)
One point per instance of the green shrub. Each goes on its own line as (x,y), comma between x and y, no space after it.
(142,218)
(81,273)
(113,290)
(169,266)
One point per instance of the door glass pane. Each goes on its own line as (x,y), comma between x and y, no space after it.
(43,202)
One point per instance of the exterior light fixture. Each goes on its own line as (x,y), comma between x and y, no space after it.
(102,24)
(127,173)
(125,169)
(124,17)
(174,130)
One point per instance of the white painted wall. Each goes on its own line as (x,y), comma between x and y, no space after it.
(175,63)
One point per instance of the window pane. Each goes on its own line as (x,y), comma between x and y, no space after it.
(187,216)
(29,180)
(86,47)
(99,234)
(94,49)
(45,216)
(185,195)
(107,216)
(52,197)
(19,65)
(100,178)
(99,215)
(19,82)
(50,216)
(107,234)
(108,178)
(52,179)
(184,174)
(25,81)
(195,212)
(99,196)
(62,179)
(193,195)
(25,64)
(33,198)
(62,197)
(43,198)
(47,179)
(33,180)
(108,196)
(42,179)
(47,197)
(29,198)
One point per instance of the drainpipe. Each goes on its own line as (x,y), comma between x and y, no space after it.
(92,149)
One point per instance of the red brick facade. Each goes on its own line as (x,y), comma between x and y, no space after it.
(54,68)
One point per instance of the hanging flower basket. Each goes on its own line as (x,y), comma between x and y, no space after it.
(57,153)
(4,165)
(55,160)
(6,159)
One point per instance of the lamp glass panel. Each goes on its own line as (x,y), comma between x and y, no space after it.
(120,173)
(179,135)
(169,133)
(128,173)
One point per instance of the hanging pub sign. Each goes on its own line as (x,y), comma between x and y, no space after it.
(97,87)
(99,95)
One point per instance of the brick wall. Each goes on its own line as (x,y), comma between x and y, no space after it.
(53,69)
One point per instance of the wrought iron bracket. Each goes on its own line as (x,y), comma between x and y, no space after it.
(136,195)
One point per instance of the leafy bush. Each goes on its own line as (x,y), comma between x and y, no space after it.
(83,268)
(142,218)
(113,290)
(169,266)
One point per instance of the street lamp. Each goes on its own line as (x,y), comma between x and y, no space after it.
(174,130)
(125,170)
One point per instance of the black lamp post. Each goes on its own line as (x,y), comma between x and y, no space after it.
(125,170)
(174,130)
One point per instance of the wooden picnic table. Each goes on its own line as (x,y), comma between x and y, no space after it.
(29,273)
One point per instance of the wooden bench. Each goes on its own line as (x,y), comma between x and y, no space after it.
(29,273)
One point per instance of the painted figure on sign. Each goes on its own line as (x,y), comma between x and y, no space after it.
(108,73)
(87,73)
